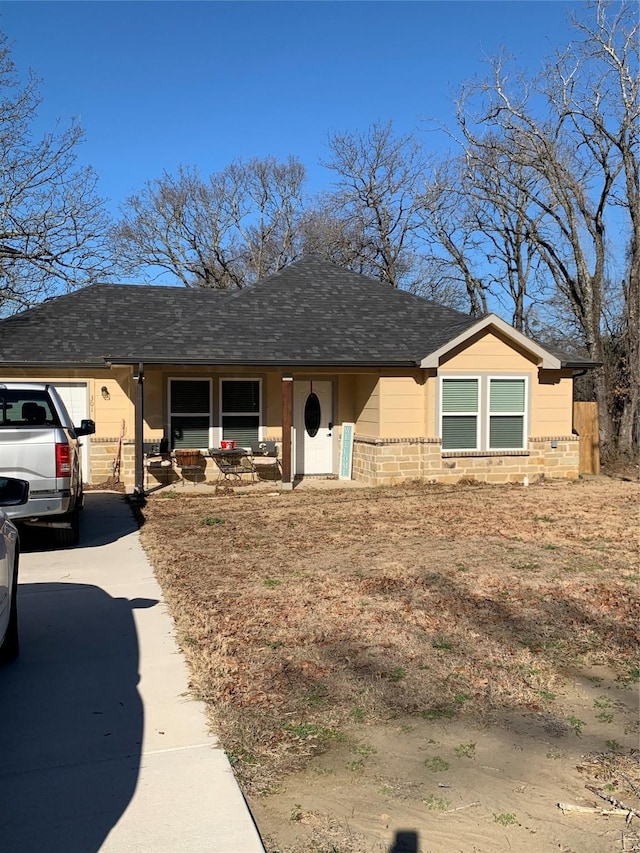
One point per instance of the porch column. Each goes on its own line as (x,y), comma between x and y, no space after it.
(139,431)
(287,426)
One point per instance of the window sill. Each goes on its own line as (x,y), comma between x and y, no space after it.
(449,454)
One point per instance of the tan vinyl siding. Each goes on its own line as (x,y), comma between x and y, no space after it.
(489,352)
(429,403)
(401,407)
(154,402)
(109,413)
(272,404)
(346,399)
(552,404)
(367,405)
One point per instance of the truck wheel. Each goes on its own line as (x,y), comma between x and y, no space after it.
(68,537)
(10,647)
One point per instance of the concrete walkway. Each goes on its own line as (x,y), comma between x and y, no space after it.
(102,748)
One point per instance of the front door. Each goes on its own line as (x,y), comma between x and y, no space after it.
(313,423)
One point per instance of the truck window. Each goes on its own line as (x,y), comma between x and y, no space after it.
(26,409)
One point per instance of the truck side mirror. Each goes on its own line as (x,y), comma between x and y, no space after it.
(87,427)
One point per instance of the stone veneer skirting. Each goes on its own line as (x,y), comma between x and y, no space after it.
(386,461)
(378,462)
(103,454)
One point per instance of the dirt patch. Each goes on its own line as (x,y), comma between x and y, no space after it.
(110,485)
(419,668)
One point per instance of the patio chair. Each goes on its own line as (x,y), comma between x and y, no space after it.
(189,462)
(268,451)
(157,462)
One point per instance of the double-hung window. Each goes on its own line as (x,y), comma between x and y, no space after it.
(189,412)
(506,414)
(460,414)
(483,413)
(240,410)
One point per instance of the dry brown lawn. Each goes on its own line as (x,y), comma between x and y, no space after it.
(416,668)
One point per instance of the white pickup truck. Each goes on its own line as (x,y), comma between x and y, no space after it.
(40,444)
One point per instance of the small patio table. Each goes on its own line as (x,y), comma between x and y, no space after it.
(233,463)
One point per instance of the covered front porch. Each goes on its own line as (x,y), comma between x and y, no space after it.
(304,414)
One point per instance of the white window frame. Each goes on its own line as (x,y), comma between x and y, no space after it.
(171,413)
(524,414)
(484,414)
(258,414)
(477,414)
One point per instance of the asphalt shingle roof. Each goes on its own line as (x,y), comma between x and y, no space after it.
(84,326)
(310,313)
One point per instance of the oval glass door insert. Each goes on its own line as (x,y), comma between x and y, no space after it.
(312,415)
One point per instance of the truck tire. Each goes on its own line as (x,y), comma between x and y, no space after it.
(11,646)
(68,537)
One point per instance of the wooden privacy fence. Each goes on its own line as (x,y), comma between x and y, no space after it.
(585,423)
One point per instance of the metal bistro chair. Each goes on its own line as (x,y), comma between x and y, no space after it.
(267,450)
(233,464)
(157,461)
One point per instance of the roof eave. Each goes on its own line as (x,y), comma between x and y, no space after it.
(72,365)
(278,362)
(580,365)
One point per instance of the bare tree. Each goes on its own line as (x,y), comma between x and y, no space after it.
(52,224)
(548,162)
(177,224)
(606,112)
(325,232)
(264,199)
(628,387)
(377,197)
(449,230)
(475,229)
(226,231)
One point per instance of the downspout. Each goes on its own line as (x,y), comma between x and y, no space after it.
(139,431)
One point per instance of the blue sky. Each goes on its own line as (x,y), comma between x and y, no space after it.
(156,84)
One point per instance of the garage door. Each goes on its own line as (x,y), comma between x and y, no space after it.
(75,396)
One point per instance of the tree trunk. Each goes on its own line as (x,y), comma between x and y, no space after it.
(629,428)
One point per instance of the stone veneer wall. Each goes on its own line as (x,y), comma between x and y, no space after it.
(387,461)
(379,462)
(103,452)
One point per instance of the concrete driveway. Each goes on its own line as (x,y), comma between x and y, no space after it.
(102,748)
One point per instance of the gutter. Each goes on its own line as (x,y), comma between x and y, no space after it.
(581,366)
(50,365)
(262,362)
